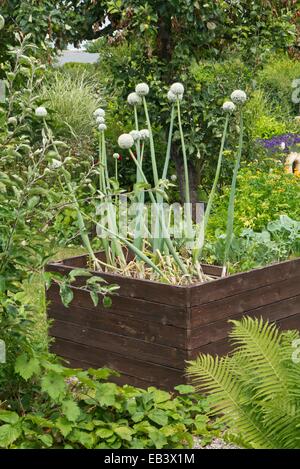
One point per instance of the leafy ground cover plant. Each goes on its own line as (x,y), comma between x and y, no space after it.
(257,387)
(70,408)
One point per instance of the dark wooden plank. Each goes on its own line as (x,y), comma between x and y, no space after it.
(223,347)
(218,330)
(125,346)
(157,375)
(230,306)
(225,287)
(128,307)
(135,288)
(121,380)
(106,320)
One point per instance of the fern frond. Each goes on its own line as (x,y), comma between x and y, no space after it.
(214,375)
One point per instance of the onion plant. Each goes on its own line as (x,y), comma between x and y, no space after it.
(168,262)
(238,97)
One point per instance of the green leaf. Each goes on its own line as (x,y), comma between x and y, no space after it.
(158,439)
(64,426)
(101,373)
(8,416)
(124,432)
(185,389)
(71,410)
(158,416)
(46,439)
(106,394)
(104,432)
(107,302)
(26,368)
(66,294)
(54,385)
(95,298)
(85,439)
(9,434)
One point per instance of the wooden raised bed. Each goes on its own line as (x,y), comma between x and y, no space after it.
(152,329)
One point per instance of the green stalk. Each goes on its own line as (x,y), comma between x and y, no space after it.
(117,248)
(152,148)
(168,154)
(137,251)
(230,216)
(116,168)
(162,222)
(186,171)
(199,245)
(138,241)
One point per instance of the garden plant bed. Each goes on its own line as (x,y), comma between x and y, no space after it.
(152,329)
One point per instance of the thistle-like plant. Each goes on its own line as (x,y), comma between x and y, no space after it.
(256,389)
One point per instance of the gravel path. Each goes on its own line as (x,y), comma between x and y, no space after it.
(217,443)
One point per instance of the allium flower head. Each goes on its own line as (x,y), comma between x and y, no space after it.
(41,111)
(228,106)
(142,89)
(238,97)
(102,127)
(117,156)
(12,121)
(99,112)
(125,141)
(135,134)
(2,22)
(173,97)
(134,99)
(100,120)
(177,89)
(144,134)
(174,178)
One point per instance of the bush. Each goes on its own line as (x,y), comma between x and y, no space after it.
(276,81)
(262,196)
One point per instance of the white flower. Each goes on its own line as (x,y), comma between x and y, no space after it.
(116,156)
(12,121)
(177,89)
(238,97)
(228,106)
(173,177)
(102,127)
(144,134)
(41,111)
(134,99)
(55,164)
(99,112)
(211,25)
(282,146)
(2,22)
(142,89)
(135,134)
(100,120)
(125,141)
(173,97)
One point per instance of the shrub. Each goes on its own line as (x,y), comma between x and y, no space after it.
(257,388)
(262,196)
(276,80)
